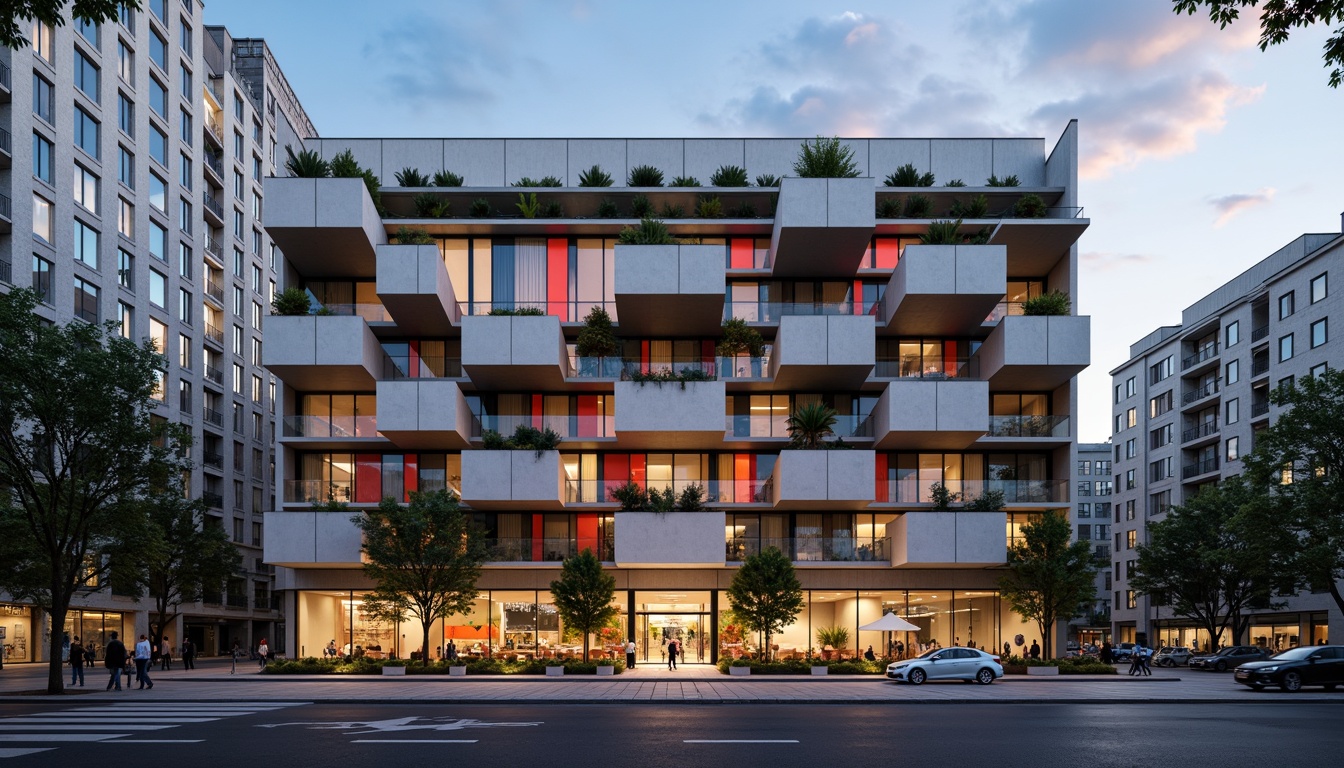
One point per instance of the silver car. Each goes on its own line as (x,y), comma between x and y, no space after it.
(1172,656)
(947,664)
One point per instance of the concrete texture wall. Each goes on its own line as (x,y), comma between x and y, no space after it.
(828,340)
(950,539)
(311,538)
(918,405)
(511,476)
(512,340)
(825,476)
(670,407)
(423,405)
(674,539)
(312,349)
(414,286)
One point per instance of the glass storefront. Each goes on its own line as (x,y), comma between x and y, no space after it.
(92,628)
(17,622)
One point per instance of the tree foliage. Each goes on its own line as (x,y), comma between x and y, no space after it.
(810,425)
(1209,560)
(766,594)
(825,158)
(50,12)
(1048,578)
(1300,459)
(583,595)
(424,558)
(79,453)
(1278,18)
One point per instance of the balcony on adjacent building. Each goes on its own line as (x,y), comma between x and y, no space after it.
(1207,389)
(944,290)
(823,352)
(1199,468)
(822,227)
(424,414)
(1259,332)
(670,540)
(512,480)
(325,227)
(322,353)
(670,415)
(1259,408)
(6,149)
(930,414)
(1200,431)
(669,290)
(519,352)
(413,285)
(1035,353)
(213,207)
(824,479)
(956,539)
(1201,358)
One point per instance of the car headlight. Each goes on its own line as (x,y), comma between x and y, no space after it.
(1274,668)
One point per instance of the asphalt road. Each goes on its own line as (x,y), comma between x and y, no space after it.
(262,732)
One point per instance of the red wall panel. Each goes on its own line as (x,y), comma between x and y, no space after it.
(557,278)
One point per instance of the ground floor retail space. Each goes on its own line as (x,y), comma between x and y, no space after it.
(1274,632)
(524,623)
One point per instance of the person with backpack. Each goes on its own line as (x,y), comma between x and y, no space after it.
(76,663)
(114,658)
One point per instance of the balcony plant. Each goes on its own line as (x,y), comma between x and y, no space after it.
(989,501)
(908,176)
(825,158)
(291,302)
(650,231)
(918,207)
(1006,181)
(412,236)
(740,339)
(955,183)
(544,181)
(446,178)
(412,177)
(975,209)
(480,208)
(640,207)
(1030,206)
(644,176)
(671,211)
(729,176)
(744,211)
(942,497)
(596,342)
(942,232)
(709,207)
(767,180)
(685,181)
(607,209)
(552,210)
(665,375)
(429,206)
(1051,303)
(343,166)
(594,177)
(517,311)
(888,208)
(810,425)
(528,205)
(308,164)
(525,438)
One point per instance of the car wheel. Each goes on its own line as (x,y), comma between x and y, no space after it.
(916,677)
(1220,666)
(984,676)
(1257,687)
(1292,682)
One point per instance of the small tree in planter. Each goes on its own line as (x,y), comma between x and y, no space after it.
(766,594)
(942,497)
(583,595)
(596,340)
(740,339)
(291,301)
(1052,303)
(810,425)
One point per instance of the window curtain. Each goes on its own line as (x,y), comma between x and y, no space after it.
(529,279)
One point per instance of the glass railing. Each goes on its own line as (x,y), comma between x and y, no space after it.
(747,425)
(586,426)
(715,491)
(567,311)
(1028,426)
(917,368)
(397,367)
(1004,309)
(772,311)
(834,549)
(624,368)
(373,313)
(330,426)
(548,550)
(916,491)
(316,491)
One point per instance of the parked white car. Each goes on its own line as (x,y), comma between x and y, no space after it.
(947,664)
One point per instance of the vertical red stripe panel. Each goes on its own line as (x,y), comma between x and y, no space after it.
(707,356)
(412,471)
(587,407)
(950,358)
(644,356)
(882,493)
(557,278)
(413,359)
(858,297)
(639,469)
(742,253)
(368,478)
(538,411)
(615,472)
(888,252)
(587,532)
(744,477)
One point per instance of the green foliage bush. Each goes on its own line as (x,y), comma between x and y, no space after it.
(494,666)
(685,181)
(430,206)
(767,180)
(291,301)
(412,177)
(594,177)
(1030,206)
(412,236)
(709,207)
(804,666)
(308,164)
(825,158)
(640,207)
(1051,303)
(446,178)
(650,231)
(918,207)
(729,176)
(480,208)
(644,176)
(1006,181)
(908,176)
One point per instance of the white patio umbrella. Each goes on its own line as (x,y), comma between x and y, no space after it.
(890,623)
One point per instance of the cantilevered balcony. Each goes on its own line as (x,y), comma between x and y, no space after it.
(928,414)
(424,413)
(668,290)
(326,227)
(944,290)
(414,287)
(824,479)
(322,352)
(305,539)
(1035,352)
(520,352)
(823,352)
(822,227)
(670,415)
(670,540)
(507,480)
(948,539)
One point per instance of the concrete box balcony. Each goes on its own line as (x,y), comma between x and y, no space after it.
(424,413)
(822,227)
(670,415)
(414,287)
(944,290)
(937,415)
(325,227)
(832,479)
(304,539)
(322,352)
(507,480)
(516,351)
(671,540)
(949,539)
(823,351)
(1035,352)
(667,290)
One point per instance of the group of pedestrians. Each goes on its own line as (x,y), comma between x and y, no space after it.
(1139,661)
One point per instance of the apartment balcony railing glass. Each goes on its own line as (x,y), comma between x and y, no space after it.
(625,368)
(373,313)
(747,425)
(398,367)
(716,491)
(772,311)
(913,491)
(1004,309)
(546,550)
(1028,426)
(566,425)
(961,367)
(330,426)
(1200,393)
(1203,353)
(567,311)
(804,549)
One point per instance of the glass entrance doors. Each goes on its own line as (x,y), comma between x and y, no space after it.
(661,617)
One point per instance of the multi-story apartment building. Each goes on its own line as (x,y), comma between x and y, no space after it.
(137,149)
(923,350)
(1187,406)
(1092,486)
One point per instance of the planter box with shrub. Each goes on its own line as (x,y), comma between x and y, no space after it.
(457,671)
(1042,671)
(556,671)
(739,671)
(821,671)
(391,671)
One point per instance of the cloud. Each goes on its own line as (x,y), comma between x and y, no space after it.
(1160,119)
(1228,206)
(1101,261)
(439,64)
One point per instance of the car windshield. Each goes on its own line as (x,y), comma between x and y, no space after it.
(930,652)
(1295,654)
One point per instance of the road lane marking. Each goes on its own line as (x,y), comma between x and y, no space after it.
(739,741)
(156,741)
(60,736)
(21,751)
(413,741)
(82,727)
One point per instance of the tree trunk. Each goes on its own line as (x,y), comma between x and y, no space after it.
(424,647)
(769,655)
(56,669)
(1333,586)
(585,645)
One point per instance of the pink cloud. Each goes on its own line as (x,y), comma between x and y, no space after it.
(1229,206)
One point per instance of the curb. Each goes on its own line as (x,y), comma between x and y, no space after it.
(740,702)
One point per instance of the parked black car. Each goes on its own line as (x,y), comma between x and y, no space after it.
(1296,667)
(1228,658)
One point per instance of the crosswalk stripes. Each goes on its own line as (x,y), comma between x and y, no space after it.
(118,722)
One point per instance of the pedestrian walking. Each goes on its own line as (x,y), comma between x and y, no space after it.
(143,652)
(114,658)
(450,651)
(630,653)
(1145,662)
(672,654)
(165,654)
(233,657)
(1007,650)
(1136,660)
(263,651)
(1107,655)
(76,663)
(188,654)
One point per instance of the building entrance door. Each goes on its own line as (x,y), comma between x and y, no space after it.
(664,616)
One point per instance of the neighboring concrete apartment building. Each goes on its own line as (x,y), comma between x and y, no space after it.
(1092,486)
(1188,404)
(922,350)
(163,127)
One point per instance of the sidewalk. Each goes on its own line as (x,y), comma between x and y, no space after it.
(649,683)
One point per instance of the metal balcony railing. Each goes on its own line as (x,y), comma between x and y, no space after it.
(214,374)
(812,549)
(1259,367)
(1259,332)
(1203,353)
(214,290)
(6,142)
(1200,430)
(213,248)
(213,500)
(214,163)
(1028,426)
(5,208)
(1199,468)
(213,417)
(213,205)
(215,460)
(6,272)
(1259,409)
(1196,395)
(214,334)
(236,601)
(4,75)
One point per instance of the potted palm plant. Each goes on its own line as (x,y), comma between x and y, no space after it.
(810,425)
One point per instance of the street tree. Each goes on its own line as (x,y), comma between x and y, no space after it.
(1048,579)
(1300,459)
(424,559)
(80,451)
(50,12)
(583,595)
(766,594)
(1211,559)
(1278,18)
